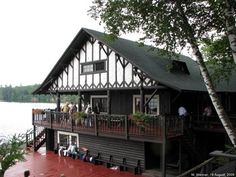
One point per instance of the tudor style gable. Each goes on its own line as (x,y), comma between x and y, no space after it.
(97,66)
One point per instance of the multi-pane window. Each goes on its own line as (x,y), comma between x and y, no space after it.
(99,66)
(93,67)
(99,104)
(65,138)
(151,108)
(87,68)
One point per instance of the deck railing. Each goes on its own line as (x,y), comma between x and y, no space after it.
(211,123)
(117,126)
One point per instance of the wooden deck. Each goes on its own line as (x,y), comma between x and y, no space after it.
(116,126)
(46,163)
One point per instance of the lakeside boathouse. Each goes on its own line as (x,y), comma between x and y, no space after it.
(122,78)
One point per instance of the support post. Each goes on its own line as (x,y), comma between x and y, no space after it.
(126,127)
(79,102)
(34,134)
(163,164)
(108,102)
(180,155)
(58,102)
(142,110)
(96,124)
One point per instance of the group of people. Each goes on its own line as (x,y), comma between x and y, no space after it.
(69,107)
(72,150)
(183,113)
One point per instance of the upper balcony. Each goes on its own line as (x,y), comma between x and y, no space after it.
(115,126)
(210,124)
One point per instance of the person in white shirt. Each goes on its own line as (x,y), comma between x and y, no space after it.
(182,112)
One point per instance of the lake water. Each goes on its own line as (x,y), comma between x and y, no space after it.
(17,117)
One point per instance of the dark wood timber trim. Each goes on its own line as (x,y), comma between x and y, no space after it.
(58,102)
(153,94)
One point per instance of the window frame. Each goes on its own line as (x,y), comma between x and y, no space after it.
(97,96)
(146,98)
(93,66)
(68,134)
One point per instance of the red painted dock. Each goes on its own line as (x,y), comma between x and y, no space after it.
(47,164)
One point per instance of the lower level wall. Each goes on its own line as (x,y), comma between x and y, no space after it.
(119,149)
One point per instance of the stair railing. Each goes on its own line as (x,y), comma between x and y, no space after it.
(202,166)
(29,137)
(39,137)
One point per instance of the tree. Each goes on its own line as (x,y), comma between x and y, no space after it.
(219,58)
(11,150)
(172,24)
(230,6)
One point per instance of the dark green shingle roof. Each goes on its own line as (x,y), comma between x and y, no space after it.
(149,61)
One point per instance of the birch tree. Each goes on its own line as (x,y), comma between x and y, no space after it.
(172,24)
(230,6)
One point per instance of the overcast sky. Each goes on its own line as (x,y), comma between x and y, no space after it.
(35,33)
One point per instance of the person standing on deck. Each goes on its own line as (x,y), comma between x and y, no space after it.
(66,107)
(207,112)
(182,112)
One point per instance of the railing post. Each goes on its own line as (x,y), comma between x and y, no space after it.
(26,139)
(50,118)
(72,130)
(96,125)
(33,117)
(34,135)
(163,164)
(126,127)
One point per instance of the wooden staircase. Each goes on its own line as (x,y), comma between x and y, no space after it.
(189,146)
(35,138)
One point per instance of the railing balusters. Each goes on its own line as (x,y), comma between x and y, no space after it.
(110,125)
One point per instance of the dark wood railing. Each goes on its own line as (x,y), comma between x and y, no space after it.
(211,123)
(213,166)
(116,126)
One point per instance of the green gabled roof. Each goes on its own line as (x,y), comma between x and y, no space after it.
(149,61)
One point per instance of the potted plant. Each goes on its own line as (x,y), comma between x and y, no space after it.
(141,119)
(79,117)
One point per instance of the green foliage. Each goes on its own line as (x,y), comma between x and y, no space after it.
(78,116)
(170,25)
(141,117)
(161,22)
(24,94)
(11,151)
(219,58)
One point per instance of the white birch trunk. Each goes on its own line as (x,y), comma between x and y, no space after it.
(214,97)
(231,28)
(207,80)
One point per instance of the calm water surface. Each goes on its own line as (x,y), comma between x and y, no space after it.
(17,117)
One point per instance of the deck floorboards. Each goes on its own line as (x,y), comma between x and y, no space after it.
(48,164)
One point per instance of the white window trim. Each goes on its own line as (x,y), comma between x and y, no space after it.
(67,133)
(147,97)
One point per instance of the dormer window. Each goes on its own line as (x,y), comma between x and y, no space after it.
(179,66)
(98,66)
